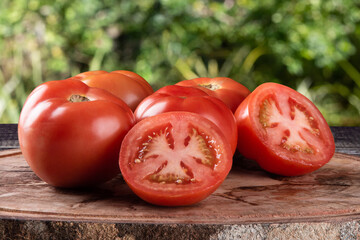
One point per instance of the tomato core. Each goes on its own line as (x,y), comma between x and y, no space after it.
(78,98)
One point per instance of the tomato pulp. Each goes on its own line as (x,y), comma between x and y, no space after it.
(175,158)
(70,134)
(283,131)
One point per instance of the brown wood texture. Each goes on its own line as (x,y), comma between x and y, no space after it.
(248,195)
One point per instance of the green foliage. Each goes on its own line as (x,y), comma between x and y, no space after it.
(309,45)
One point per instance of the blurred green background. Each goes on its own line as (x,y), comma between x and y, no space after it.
(310,45)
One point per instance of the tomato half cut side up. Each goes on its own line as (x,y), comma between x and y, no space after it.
(283,131)
(175,158)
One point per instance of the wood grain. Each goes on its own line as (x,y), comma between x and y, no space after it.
(248,195)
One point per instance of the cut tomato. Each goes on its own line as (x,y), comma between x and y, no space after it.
(283,131)
(175,158)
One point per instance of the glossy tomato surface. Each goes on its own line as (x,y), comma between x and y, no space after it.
(70,134)
(232,93)
(126,85)
(175,158)
(283,131)
(179,98)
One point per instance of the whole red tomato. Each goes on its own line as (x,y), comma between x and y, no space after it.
(178,98)
(175,158)
(70,134)
(228,90)
(283,131)
(126,85)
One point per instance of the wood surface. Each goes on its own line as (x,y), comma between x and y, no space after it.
(347,139)
(248,195)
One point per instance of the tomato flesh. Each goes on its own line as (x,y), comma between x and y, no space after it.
(293,128)
(175,158)
(283,131)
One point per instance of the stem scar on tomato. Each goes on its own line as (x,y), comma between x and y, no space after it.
(78,98)
(211,86)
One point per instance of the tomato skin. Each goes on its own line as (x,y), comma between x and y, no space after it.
(126,85)
(73,144)
(177,123)
(255,143)
(232,93)
(180,98)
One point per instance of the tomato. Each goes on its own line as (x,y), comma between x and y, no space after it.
(175,158)
(126,85)
(70,134)
(228,90)
(179,98)
(283,131)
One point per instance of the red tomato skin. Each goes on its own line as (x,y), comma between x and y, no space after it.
(126,85)
(174,200)
(252,145)
(73,144)
(174,197)
(232,93)
(180,98)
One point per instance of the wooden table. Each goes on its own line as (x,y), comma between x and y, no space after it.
(250,204)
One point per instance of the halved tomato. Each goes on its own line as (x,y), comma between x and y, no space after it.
(283,131)
(231,92)
(175,158)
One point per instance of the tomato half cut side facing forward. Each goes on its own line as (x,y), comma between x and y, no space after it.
(283,131)
(179,98)
(231,92)
(70,134)
(175,158)
(126,85)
